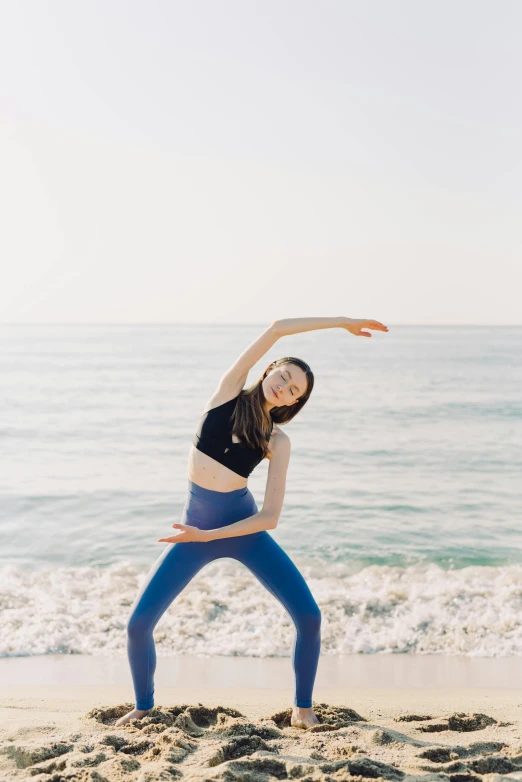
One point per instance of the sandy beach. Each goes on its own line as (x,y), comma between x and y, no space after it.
(221,731)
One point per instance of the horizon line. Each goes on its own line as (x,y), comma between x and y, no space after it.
(213,323)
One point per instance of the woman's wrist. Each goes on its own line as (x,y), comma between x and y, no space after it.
(206,535)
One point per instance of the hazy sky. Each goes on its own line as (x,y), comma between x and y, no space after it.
(236,161)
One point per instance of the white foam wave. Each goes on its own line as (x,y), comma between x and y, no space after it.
(423,609)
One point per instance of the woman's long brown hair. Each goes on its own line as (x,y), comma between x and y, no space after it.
(252,423)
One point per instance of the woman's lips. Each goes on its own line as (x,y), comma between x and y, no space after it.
(274,393)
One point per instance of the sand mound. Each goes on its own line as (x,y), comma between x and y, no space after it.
(196,742)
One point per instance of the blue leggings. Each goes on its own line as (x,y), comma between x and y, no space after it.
(179,563)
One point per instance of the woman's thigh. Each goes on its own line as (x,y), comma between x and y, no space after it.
(173,570)
(272,566)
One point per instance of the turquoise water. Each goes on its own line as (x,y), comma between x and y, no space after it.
(405,472)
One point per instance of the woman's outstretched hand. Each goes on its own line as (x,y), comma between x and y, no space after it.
(188,534)
(355,326)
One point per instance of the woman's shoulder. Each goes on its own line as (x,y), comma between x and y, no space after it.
(220,398)
(277,436)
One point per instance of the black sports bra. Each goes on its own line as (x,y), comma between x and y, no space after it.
(214,437)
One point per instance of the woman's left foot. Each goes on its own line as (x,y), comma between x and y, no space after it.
(135,714)
(303,718)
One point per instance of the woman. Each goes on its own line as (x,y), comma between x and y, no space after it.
(239,428)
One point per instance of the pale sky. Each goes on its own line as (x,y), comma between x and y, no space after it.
(237,161)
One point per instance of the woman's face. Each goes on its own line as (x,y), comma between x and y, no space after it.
(284,385)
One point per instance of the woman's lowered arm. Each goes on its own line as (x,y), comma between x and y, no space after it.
(288,326)
(189,534)
(268,516)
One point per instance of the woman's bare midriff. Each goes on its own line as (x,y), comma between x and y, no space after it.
(204,471)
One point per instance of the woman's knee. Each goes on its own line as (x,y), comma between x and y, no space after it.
(310,620)
(138,625)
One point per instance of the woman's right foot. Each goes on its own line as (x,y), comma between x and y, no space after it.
(303,718)
(135,714)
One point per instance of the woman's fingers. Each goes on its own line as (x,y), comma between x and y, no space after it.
(188,533)
(369,324)
(356,326)
(376,324)
(173,538)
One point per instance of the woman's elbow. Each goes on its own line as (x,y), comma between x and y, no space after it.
(271,519)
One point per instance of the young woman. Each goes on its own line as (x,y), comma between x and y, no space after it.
(239,428)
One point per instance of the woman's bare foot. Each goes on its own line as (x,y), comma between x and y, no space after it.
(135,714)
(303,718)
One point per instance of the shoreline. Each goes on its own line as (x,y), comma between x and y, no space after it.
(401,671)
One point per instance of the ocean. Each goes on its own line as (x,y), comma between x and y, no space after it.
(403,504)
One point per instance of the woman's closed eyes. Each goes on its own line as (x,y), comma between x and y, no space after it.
(290,389)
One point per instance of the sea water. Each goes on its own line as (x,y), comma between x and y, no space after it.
(403,504)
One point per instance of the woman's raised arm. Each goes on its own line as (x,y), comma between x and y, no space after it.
(354,325)
(237,374)
(235,377)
